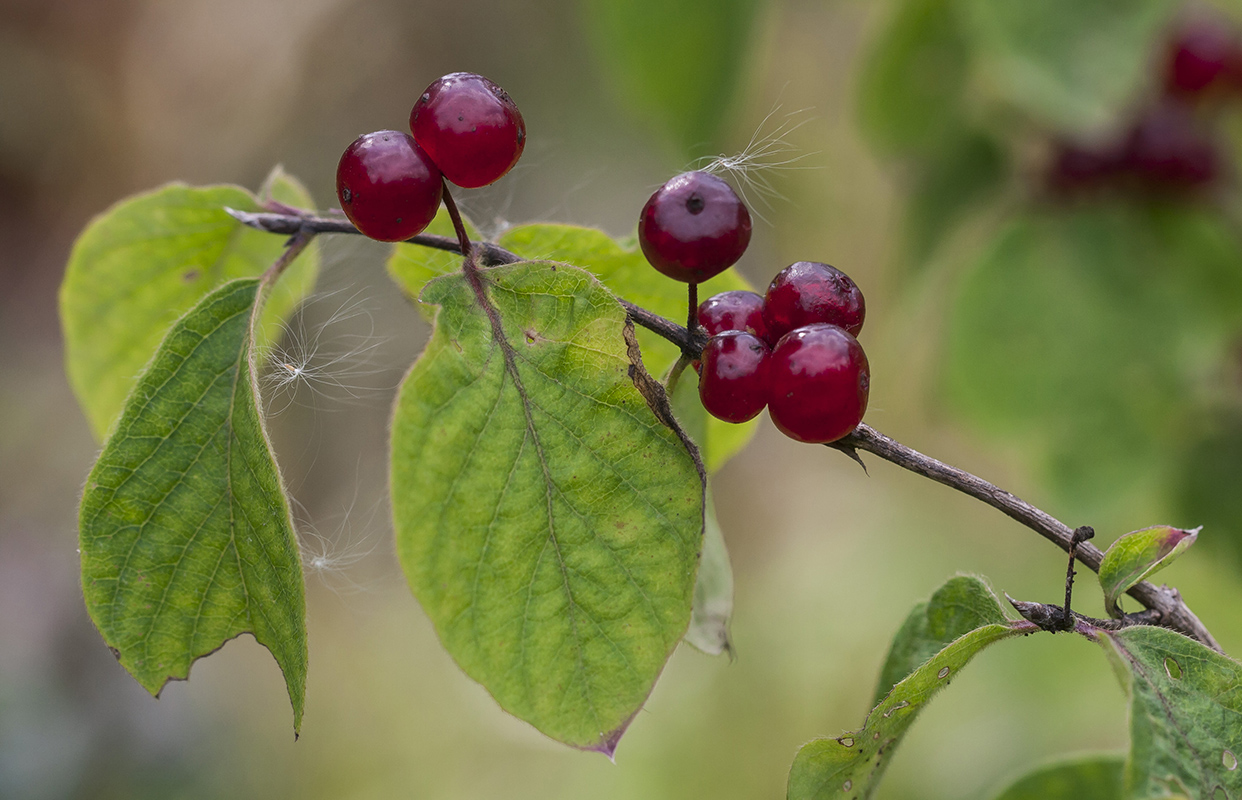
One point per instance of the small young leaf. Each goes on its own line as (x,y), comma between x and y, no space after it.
(1084,778)
(626,272)
(547,521)
(185,532)
(1137,555)
(957,608)
(148,260)
(1185,714)
(851,764)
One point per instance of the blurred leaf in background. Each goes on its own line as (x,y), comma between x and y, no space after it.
(1071,64)
(676,65)
(1073,335)
(1096,303)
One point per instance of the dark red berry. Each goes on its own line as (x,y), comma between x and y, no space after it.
(807,292)
(1076,167)
(387,186)
(1168,149)
(470,127)
(733,379)
(1202,55)
(819,383)
(733,311)
(694,227)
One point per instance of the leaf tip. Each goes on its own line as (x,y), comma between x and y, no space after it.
(608,742)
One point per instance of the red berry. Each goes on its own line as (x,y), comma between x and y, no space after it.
(733,379)
(1075,167)
(694,227)
(387,186)
(819,383)
(733,311)
(1168,149)
(807,292)
(1202,55)
(470,127)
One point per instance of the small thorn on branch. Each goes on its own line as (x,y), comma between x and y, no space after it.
(850,451)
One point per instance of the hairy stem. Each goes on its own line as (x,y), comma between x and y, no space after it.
(1165,604)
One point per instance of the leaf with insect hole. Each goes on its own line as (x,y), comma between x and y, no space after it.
(548,522)
(965,613)
(1185,714)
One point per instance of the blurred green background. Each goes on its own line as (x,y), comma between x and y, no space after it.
(1078,342)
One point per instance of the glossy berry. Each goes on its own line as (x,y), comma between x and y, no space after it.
(1202,55)
(819,382)
(1168,149)
(470,127)
(733,311)
(808,292)
(387,186)
(694,227)
(733,378)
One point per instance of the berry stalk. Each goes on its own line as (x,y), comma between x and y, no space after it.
(460,227)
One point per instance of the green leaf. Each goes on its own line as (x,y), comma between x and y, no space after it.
(185,532)
(913,81)
(1137,555)
(1207,486)
(1083,778)
(547,521)
(411,265)
(677,65)
(851,764)
(713,589)
(954,180)
(1051,342)
(625,271)
(957,608)
(148,260)
(1185,714)
(1074,64)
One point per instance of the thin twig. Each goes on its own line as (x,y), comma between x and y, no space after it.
(1173,612)
(1163,601)
(489,256)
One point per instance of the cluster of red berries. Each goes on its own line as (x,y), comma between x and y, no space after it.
(1169,145)
(466,130)
(792,350)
